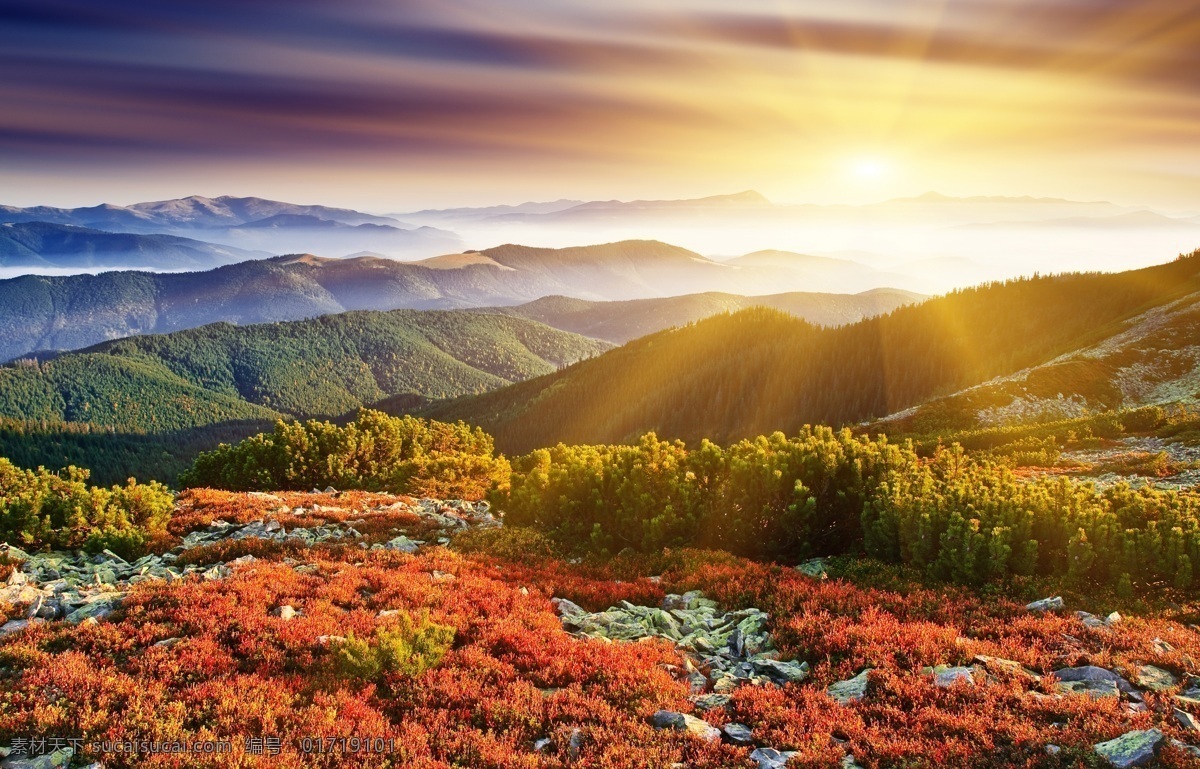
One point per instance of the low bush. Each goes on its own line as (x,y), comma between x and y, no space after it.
(375,452)
(407,649)
(40,509)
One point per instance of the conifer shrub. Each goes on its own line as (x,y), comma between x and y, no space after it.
(40,509)
(375,452)
(409,648)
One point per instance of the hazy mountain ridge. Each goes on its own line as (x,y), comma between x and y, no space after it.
(621,322)
(45,313)
(252,223)
(42,244)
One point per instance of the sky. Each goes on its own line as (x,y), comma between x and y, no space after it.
(395,105)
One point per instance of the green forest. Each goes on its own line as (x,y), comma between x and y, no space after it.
(756,371)
(321,367)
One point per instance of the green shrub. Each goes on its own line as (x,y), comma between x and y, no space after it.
(512,543)
(408,649)
(41,509)
(376,452)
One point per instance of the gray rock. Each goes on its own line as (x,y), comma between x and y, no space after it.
(770,758)
(738,734)
(402,544)
(1186,720)
(946,676)
(541,745)
(710,701)
(813,567)
(669,719)
(59,758)
(1093,689)
(1053,750)
(1191,691)
(1135,748)
(17,625)
(1091,673)
(1155,679)
(998,665)
(850,690)
(1046,604)
(781,672)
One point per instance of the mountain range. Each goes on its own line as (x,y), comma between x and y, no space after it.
(270,226)
(70,312)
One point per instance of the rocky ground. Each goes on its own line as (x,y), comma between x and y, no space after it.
(78,587)
(771,665)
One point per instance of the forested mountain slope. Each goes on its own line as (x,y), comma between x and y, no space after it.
(324,366)
(759,370)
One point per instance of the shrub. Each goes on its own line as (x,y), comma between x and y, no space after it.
(41,509)
(408,649)
(376,452)
(512,543)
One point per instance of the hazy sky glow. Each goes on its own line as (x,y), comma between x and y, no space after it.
(389,105)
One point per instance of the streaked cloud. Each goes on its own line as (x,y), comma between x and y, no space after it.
(702,94)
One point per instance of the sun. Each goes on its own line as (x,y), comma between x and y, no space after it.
(868,169)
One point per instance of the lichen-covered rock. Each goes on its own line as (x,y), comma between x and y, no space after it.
(1155,679)
(697,727)
(814,567)
(1136,748)
(1046,604)
(946,675)
(850,690)
(770,758)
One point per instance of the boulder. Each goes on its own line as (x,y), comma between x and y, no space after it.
(402,544)
(59,758)
(781,672)
(770,758)
(1155,679)
(287,611)
(1191,691)
(1046,604)
(1186,720)
(1093,674)
(1135,748)
(1094,689)
(850,690)
(1000,666)
(669,719)
(710,701)
(738,734)
(813,567)
(946,675)
(17,625)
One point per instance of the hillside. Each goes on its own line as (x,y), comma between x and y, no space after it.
(38,244)
(758,371)
(621,322)
(326,366)
(1151,360)
(62,313)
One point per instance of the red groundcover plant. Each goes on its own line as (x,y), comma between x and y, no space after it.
(511,676)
